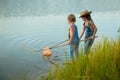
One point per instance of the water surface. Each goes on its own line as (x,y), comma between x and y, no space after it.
(32,24)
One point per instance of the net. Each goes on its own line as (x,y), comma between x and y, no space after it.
(46,52)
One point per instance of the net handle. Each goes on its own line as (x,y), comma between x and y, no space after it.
(61,44)
(67,44)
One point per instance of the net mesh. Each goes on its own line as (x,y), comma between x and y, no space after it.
(46,52)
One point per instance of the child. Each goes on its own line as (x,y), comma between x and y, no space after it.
(73,37)
(89,28)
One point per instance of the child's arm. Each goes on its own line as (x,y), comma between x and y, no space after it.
(94,29)
(81,34)
(72,32)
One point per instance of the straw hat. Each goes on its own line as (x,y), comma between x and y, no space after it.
(86,12)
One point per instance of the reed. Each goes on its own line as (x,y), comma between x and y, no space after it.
(102,63)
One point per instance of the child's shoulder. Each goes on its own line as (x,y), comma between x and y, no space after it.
(72,26)
(91,22)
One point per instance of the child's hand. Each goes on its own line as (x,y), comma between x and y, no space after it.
(69,42)
(92,37)
(79,38)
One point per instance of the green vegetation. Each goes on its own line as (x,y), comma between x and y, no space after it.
(102,63)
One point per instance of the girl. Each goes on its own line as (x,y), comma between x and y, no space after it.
(89,28)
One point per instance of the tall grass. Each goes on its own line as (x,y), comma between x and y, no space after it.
(102,63)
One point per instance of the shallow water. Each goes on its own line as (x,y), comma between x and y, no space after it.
(17,34)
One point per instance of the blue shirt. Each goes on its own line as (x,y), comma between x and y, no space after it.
(88,30)
(75,36)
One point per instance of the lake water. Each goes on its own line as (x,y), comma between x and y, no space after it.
(36,32)
(47,25)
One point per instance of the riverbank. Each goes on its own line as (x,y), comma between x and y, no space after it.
(102,63)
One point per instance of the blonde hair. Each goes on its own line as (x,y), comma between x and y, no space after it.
(71,18)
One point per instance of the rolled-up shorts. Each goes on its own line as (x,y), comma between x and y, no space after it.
(74,48)
(88,45)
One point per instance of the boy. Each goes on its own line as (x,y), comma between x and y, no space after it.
(73,37)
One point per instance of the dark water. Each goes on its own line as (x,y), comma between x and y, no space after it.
(33,24)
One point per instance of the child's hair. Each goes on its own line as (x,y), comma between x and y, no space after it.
(71,18)
(88,16)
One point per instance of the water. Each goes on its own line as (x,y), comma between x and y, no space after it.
(10,8)
(36,32)
(34,25)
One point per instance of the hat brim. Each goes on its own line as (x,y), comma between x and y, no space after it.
(86,14)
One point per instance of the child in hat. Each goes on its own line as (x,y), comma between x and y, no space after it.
(73,37)
(89,28)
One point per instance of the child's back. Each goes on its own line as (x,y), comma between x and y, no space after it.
(73,37)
